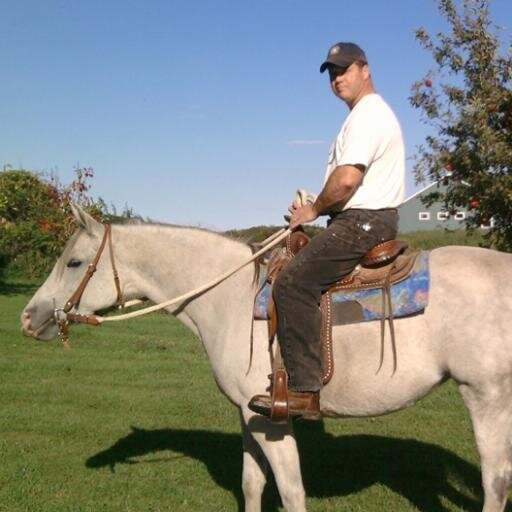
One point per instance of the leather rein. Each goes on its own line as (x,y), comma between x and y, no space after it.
(63,316)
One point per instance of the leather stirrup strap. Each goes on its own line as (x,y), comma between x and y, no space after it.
(326,337)
(279,406)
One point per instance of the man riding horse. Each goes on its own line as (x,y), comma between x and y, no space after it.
(364,184)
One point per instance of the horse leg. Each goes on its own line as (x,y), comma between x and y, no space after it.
(491,414)
(277,443)
(254,471)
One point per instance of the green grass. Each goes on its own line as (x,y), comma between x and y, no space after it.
(436,238)
(130,419)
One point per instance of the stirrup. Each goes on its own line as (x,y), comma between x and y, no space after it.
(279,395)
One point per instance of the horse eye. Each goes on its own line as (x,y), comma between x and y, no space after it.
(72,263)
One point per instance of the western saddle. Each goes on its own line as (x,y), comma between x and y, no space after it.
(382,266)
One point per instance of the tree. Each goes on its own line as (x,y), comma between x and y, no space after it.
(467,101)
(35,218)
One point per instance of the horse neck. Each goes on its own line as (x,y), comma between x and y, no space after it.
(177,258)
(163,262)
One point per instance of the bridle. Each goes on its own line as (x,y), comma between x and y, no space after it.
(63,316)
(74,300)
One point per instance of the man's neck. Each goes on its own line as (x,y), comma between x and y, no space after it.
(369,89)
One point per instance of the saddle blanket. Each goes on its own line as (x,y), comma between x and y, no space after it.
(408,297)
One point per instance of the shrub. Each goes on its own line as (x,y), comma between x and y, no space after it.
(35,218)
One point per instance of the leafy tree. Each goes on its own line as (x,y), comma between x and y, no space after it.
(467,101)
(35,219)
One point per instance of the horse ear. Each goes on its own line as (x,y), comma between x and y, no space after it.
(84,220)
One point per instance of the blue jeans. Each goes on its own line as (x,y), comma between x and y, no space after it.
(298,289)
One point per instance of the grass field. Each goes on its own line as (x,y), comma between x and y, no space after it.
(130,419)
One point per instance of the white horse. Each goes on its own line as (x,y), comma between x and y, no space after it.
(465,333)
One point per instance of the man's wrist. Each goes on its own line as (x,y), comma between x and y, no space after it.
(318,207)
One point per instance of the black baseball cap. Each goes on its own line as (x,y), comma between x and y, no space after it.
(342,55)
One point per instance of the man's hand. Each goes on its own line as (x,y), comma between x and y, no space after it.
(302,215)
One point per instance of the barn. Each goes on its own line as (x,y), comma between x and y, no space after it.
(415,216)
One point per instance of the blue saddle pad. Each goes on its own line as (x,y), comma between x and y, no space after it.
(408,297)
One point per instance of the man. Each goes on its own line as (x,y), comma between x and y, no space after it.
(364,184)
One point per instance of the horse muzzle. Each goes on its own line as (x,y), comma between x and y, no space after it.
(44,332)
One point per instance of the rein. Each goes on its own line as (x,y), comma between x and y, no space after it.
(268,243)
(63,316)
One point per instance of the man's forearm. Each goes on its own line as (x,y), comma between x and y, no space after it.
(340,186)
(329,198)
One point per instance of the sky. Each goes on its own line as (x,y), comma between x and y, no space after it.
(196,112)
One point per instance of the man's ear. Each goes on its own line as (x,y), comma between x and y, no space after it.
(367,72)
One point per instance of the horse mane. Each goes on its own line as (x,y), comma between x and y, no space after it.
(139,221)
(245,241)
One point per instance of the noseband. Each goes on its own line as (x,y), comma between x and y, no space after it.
(62,316)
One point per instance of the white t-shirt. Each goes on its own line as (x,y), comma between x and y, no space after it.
(371,136)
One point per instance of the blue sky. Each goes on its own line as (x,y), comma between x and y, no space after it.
(207,113)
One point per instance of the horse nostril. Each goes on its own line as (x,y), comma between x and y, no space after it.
(25,319)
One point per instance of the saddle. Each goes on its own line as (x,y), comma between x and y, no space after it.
(382,266)
(382,262)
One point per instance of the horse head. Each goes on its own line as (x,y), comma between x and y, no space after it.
(53,300)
